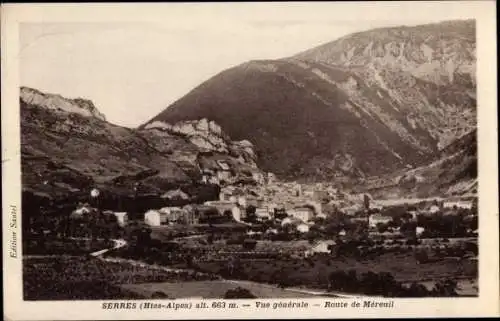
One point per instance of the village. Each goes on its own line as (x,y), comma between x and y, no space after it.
(294,232)
(271,217)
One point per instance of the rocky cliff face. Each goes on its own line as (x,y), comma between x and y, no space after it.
(58,103)
(453,173)
(441,55)
(367,104)
(68,148)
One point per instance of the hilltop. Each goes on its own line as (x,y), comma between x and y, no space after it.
(367,104)
(68,148)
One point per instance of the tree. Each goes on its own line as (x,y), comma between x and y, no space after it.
(382,227)
(280,213)
(250,213)
(445,288)
(159,295)
(210,238)
(421,257)
(366,202)
(239,293)
(249,245)
(228,214)
(417,290)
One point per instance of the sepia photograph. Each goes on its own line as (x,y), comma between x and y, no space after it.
(311,154)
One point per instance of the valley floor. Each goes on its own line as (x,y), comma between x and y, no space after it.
(93,277)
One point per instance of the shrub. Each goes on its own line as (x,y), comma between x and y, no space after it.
(239,293)
(159,295)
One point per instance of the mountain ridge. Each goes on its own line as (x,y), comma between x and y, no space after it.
(373,116)
(67,151)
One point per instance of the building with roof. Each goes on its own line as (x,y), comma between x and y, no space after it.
(375,219)
(419,230)
(81,212)
(302,228)
(321,247)
(263,213)
(227,207)
(173,214)
(154,218)
(459,204)
(304,214)
(121,218)
(434,209)
(290,221)
(176,194)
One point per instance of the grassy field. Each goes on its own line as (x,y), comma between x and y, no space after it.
(315,272)
(64,246)
(210,289)
(86,278)
(168,232)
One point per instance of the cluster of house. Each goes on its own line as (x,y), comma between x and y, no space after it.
(232,209)
(301,206)
(85,212)
(446,207)
(226,210)
(168,215)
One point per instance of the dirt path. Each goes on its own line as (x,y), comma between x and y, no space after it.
(119,243)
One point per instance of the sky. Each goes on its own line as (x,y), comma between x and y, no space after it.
(133,62)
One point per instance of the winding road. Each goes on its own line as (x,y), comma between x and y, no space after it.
(119,243)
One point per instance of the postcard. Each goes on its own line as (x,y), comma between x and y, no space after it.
(249,160)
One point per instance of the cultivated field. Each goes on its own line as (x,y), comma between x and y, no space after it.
(314,272)
(211,289)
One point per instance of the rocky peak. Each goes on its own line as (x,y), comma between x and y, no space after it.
(58,103)
(203,133)
(67,151)
(439,53)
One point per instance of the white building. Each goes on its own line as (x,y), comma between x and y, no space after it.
(154,218)
(419,230)
(291,221)
(308,194)
(227,206)
(434,209)
(286,220)
(458,204)
(302,228)
(375,219)
(272,231)
(270,177)
(121,218)
(318,208)
(302,213)
(172,214)
(263,213)
(321,247)
(321,215)
(413,214)
(176,194)
(298,190)
(258,177)
(242,201)
(351,210)
(81,212)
